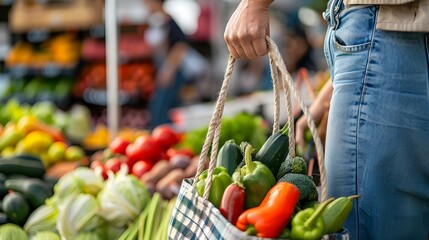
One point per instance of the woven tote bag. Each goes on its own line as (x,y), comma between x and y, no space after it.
(194,217)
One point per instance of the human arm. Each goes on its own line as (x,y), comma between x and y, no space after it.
(171,64)
(246,29)
(178,46)
(317,109)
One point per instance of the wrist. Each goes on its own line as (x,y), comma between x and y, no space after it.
(262,3)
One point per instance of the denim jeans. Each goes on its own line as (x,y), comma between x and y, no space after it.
(377,141)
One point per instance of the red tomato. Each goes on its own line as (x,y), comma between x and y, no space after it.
(98,166)
(141,167)
(95,164)
(119,145)
(146,148)
(133,154)
(185,151)
(113,164)
(165,136)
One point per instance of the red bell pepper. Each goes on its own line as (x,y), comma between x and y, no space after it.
(273,214)
(232,204)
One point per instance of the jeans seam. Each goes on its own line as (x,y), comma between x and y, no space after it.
(361,100)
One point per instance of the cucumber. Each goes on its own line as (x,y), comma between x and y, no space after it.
(16,207)
(25,167)
(274,150)
(229,156)
(34,190)
(2,177)
(3,218)
(336,213)
(3,190)
(26,156)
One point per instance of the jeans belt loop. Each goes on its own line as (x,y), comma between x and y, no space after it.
(335,12)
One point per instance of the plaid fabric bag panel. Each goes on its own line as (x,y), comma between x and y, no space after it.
(194,218)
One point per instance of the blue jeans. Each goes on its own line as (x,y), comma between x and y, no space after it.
(378,129)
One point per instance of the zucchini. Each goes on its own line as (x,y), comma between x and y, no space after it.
(26,156)
(229,156)
(34,190)
(24,167)
(16,207)
(3,191)
(2,177)
(274,150)
(3,218)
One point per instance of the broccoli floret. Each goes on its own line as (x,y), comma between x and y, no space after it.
(292,165)
(309,204)
(306,186)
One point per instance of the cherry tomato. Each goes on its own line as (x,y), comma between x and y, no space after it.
(98,167)
(119,145)
(145,147)
(95,164)
(141,167)
(113,164)
(165,136)
(185,151)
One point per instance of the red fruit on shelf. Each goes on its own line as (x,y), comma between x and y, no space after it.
(98,167)
(141,167)
(165,136)
(119,145)
(113,164)
(148,148)
(182,151)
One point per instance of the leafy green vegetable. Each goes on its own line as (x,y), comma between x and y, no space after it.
(79,214)
(46,235)
(44,218)
(122,198)
(80,180)
(241,127)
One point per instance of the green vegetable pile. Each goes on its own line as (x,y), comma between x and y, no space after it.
(243,127)
(84,206)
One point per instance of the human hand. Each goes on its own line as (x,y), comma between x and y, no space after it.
(246,29)
(300,129)
(317,110)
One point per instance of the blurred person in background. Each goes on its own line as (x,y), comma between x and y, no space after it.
(177,63)
(378,124)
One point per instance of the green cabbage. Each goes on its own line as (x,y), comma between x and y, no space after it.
(10,231)
(44,218)
(78,214)
(122,198)
(46,235)
(80,180)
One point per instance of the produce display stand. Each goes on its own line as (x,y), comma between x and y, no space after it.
(81,14)
(113,107)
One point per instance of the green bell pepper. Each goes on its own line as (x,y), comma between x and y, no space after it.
(257,179)
(220,181)
(308,224)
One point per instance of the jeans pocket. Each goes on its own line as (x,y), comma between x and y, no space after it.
(355,29)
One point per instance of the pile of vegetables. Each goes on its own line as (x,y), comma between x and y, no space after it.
(153,222)
(24,187)
(240,127)
(139,154)
(271,195)
(84,206)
